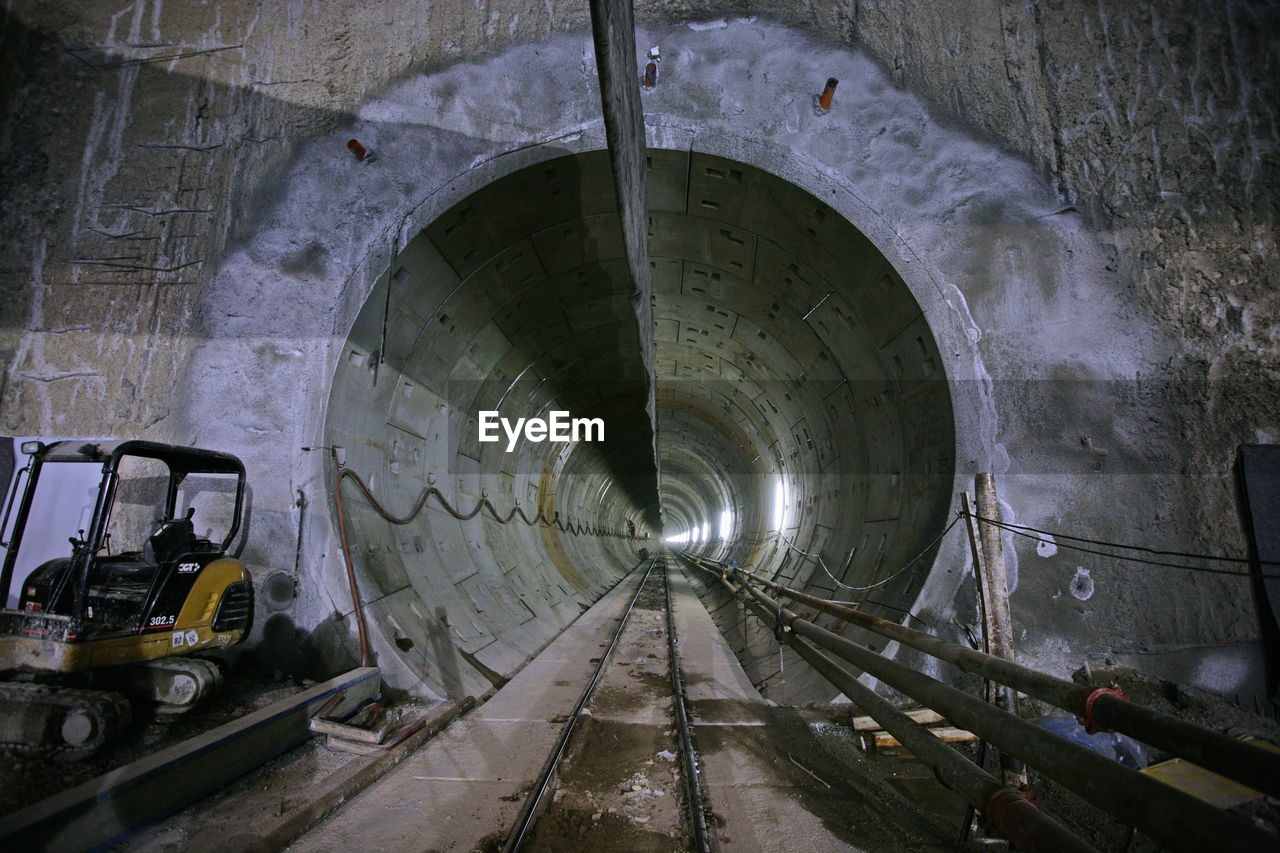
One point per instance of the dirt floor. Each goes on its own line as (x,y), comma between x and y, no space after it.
(884,801)
(26,780)
(235,817)
(620,787)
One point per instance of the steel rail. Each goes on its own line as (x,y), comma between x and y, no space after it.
(1244,762)
(703,840)
(1170,816)
(529,811)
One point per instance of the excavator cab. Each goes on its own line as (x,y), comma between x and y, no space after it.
(107,572)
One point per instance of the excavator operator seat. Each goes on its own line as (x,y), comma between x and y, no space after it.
(174,537)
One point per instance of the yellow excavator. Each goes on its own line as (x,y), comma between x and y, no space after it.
(101,597)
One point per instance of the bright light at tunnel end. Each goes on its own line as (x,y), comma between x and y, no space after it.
(702,532)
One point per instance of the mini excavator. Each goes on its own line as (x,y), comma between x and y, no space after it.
(132,605)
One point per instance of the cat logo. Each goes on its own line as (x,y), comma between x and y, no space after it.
(188,568)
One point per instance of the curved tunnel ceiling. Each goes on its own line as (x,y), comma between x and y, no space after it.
(790,356)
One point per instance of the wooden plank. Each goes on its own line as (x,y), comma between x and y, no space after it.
(354,778)
(107,809)
(335,729)
(1205,784)
(884,740)
(989,567)
(923,716)
(1201,784)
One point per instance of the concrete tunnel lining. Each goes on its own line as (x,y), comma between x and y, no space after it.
(514,300)
(954,216)
(1080,202)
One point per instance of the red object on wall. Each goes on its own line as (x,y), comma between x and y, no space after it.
(824,100)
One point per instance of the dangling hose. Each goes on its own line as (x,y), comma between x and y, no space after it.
(366,657)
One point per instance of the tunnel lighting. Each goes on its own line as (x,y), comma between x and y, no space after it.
(678,539)
(726,524)
(705,532)
(779,504)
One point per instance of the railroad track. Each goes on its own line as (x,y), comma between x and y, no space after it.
(577,763)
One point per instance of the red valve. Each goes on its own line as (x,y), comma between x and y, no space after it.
(1086,719)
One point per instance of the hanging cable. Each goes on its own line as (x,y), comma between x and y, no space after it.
(1141,548)
(345,473)
(1038,535)
(573,527)
(818,558)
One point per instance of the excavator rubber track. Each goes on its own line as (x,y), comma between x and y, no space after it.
(42,720)
(175,684)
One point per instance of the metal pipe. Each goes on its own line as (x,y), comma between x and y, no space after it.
(1247,763)
(365,655)
(1178,820)
(1007,810)
(19,527)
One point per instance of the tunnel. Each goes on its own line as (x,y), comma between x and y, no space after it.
(801,402)
(892,253)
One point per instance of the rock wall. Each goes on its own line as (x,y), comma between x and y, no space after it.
(145,142)
(1156,121)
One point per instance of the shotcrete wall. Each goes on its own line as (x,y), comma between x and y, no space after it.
(1079,197)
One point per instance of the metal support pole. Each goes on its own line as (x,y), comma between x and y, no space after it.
(975,552)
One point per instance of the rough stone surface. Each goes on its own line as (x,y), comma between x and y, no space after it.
(1081,197)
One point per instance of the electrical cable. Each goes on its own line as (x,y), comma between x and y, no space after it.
(344,473)
(1141,548)
(1021,530)
(573,527)
(879,583)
